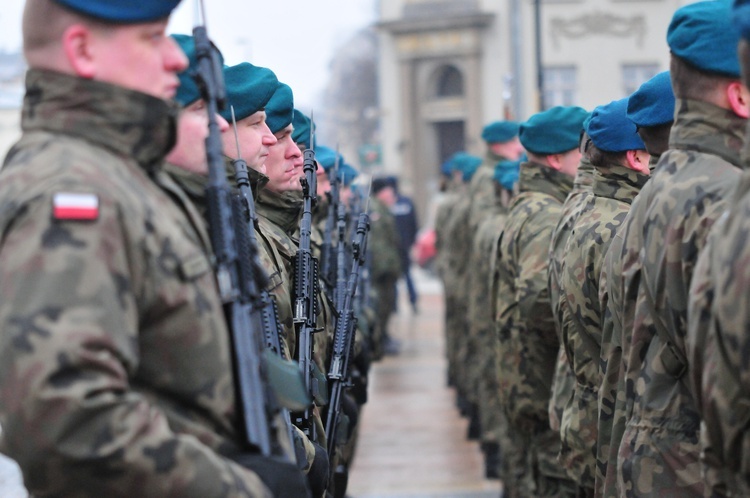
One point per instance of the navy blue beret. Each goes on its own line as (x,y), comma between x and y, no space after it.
(122,11)
(301,133)
(280,108)
(249,88)
(741,17)
(466,164)
(506,173)
(553,131)
(326,156)
(653,103)
(188,91)
(500,131)
(610,129)
(702,33)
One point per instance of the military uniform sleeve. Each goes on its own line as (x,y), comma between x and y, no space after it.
(70,353)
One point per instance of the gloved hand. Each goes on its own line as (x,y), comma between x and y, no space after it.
(317,476)
(280,477)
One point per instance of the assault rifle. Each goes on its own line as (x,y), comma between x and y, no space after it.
(343,339)
(306,291)
(232,272)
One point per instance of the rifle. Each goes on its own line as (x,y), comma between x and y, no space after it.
(306,291)
(264,315)
(343,339)
(326,251)
(231,269)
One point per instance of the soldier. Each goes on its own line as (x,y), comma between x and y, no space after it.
(483,367)
(651,109)
(116,360)
(718,326)
(502,142)
(385,265)
(659,450)
(528,344)
(620,169)
(563,381)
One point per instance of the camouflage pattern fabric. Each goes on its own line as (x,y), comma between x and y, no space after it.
(528,344)
(483,191)
(687,194)
(115,358)
(716,342)
(614,188)
(563,380)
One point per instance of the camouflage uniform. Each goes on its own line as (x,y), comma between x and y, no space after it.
(716,342)
(116,360)
(687,194)
(614,188)
(483,191)
(528,344)
(382,243)
(563,380)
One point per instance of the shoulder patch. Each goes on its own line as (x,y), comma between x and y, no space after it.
(75,206)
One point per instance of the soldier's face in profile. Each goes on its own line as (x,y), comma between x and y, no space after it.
(284,163)
(255,139)
(138,57)
(189,152)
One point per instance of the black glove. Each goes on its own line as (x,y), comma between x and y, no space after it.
(350,409)
(317,476)
(281,478)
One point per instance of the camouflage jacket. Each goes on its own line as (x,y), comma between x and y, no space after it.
(688,192)
(442,242)
(717,340)
(483,191)
(527,338)
(115,357)
(382,242)
(615,186)
(563,380)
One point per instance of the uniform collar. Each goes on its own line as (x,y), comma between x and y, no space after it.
(127,122)
(707,128)
(615,181)
(283,210)
(535,177)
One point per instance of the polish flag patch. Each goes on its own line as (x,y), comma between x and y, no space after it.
(72,206)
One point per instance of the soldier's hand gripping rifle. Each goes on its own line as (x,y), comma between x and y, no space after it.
(246,340)
(306,291)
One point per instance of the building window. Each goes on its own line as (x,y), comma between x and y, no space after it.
(559,86)
(634,75)
(449,82)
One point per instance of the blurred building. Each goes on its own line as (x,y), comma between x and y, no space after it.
(448,67)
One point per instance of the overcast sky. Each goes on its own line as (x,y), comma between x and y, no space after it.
(295,38)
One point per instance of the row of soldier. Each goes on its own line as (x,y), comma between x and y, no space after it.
(163,218)
(597,328)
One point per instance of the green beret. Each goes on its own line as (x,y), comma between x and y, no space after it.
(122,11)
(466,164)
(280,108)
(702,33)
(347,173)
(653,103)
(326,156)
(301,133)
(553,131)
(188,91)
(500,131)
(611,130)
(249,88)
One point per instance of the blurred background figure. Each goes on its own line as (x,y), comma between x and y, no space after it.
(407,227)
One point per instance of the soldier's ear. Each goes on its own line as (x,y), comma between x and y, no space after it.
(77,45)
(739,99)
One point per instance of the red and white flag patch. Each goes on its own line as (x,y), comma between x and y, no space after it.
(73,206)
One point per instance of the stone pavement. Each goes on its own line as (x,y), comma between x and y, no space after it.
(412,440)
